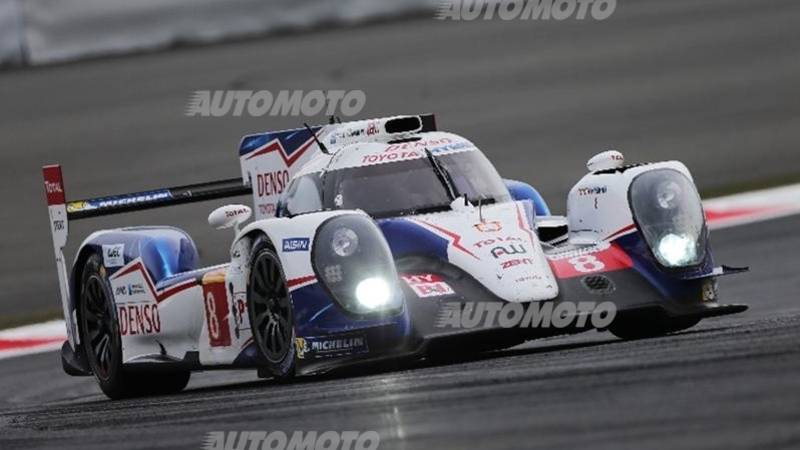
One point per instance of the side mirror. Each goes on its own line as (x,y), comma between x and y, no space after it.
(607,160)
(229,216)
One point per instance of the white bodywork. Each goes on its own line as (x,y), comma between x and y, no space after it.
(495,244)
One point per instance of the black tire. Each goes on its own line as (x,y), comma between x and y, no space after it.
(103,344)
(270,307)
(644,329)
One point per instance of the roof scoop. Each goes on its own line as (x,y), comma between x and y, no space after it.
(406,124)
(609,159)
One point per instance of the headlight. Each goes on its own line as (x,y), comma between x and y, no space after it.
(669,213)
(356,267)
(344,242)
(677,249)
(373,293)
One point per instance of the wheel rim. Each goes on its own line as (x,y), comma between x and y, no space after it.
(98,327)
(271,308)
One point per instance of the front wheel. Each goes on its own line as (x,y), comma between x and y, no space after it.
(103,344)
(270,308)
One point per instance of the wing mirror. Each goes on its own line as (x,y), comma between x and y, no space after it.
(229,216)
(607,160)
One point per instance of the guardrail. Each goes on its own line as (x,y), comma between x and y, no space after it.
(47,31)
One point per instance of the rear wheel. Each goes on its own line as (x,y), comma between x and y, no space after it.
(270,307)
(103,344)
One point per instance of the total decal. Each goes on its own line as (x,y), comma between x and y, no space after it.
(327,347)
(428,285)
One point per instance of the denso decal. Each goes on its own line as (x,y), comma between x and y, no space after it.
(272,183)
(372,128)
(326,347)
(139,319)
(510,249)
(428,285)
(296,244)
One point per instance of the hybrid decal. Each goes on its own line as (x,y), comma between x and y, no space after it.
(428,285)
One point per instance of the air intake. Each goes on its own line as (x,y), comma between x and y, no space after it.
(598,284)
(409,124)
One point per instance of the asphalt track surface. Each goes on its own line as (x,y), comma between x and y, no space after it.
(730,382)
(712,83)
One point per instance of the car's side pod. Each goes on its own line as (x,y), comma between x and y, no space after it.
(61,212)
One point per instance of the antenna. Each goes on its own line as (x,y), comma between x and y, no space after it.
(331,118)
(316,139)
(480,209)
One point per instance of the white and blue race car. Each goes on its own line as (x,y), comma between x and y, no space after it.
(364,234)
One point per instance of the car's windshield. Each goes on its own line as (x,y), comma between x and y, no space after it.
(472,174)
(385,190)
(413,187)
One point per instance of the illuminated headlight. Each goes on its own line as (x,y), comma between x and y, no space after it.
(355,265)
(669,214)
(373,293)
(676,250)
(344,242)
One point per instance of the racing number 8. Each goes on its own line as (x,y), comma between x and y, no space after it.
(217,316)
(586,264)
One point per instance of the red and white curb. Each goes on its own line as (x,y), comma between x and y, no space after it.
(27,340)
(751,207)
(722,212)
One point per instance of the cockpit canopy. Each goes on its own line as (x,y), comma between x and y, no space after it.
(427,182)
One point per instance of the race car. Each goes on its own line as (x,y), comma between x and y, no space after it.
(365,235)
